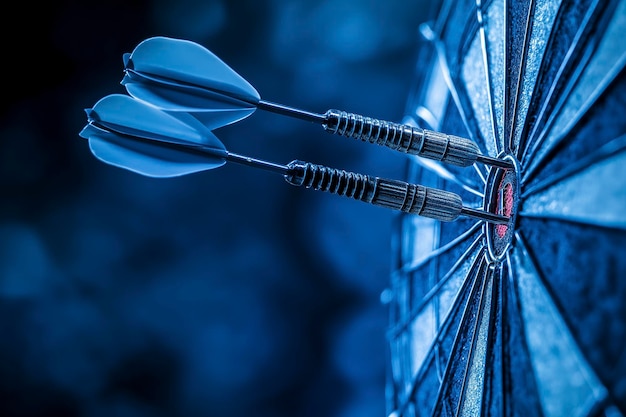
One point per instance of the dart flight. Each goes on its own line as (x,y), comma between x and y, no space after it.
(182,76)
(129,134)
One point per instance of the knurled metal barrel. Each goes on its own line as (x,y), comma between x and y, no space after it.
(403,138)
(394,194)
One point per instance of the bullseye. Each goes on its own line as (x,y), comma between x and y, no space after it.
(505,206)
(501,197)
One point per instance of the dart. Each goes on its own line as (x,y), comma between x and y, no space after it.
(182,76)
(127,133)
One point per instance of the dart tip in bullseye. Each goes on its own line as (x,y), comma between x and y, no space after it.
(499,163)
(485,215)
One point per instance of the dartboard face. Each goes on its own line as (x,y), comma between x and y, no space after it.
(528,318)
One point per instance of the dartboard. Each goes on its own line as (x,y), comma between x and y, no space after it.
(529,318)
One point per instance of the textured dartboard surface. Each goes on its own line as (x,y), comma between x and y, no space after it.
(527,319)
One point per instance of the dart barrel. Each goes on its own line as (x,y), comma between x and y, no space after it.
(404,138)
(398,195)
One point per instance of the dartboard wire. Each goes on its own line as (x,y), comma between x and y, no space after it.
(537,138)
(444,15)
(445,174)
(539,130)
(429,34)
(575,220)
(514,300)
(487,64)
(440,359)
(608,150)
(478,287)
(401,326)
(434,268)
(482,310)
(434,280)
(439,22)
(398,286)
(406,269)
(544,22)
(520,74)
(470,279)
(500,330)
(480,173)
(474,94)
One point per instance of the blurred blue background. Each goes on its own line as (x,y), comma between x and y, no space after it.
(221,293)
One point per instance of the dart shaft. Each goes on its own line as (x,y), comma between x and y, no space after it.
(484,215)
(500,163)
(257,163)
(398,195)
(291,111)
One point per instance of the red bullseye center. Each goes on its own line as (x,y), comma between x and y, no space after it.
(504,206)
